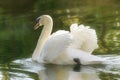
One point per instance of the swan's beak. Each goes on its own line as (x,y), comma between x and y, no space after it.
(36,26)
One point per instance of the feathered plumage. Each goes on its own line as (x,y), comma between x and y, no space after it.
(62,47)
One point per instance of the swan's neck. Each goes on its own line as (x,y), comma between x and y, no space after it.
(42,39)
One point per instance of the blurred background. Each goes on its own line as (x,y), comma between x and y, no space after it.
(17,18)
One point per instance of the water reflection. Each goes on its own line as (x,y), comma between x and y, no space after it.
(26,69)
(54,72)
(22,69)
(17,38)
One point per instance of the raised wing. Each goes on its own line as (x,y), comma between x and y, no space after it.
(84,38)
(55,45)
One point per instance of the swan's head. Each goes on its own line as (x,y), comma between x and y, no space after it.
(43,20)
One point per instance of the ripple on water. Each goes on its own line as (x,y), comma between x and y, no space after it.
(111,62)
(29,65)
(23,69)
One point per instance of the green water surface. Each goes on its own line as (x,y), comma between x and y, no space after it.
(18,39)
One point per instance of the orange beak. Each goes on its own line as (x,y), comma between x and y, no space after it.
(36,26)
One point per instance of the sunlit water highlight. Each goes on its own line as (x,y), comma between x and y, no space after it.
(22,69)
(17,38)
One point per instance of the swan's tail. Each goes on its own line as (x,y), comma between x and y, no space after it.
(84,58)
(84,38)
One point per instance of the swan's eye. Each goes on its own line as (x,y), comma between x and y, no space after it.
(37,20)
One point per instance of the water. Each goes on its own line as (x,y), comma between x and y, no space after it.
(25,69)
(18,39)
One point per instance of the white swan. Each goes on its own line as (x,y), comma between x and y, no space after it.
(64,47)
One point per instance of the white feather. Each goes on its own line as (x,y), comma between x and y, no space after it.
(84,38)
(62,47)
(55,45)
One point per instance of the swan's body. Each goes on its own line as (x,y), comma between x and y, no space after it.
(64,47)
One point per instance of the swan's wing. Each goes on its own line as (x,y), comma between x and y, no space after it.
(84,38)
(55,45)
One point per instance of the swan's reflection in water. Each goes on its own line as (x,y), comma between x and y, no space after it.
(53,72)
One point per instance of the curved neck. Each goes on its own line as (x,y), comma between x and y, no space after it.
(47,29)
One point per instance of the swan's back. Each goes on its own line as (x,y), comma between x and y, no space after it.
(84,38)
(55,45)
